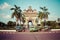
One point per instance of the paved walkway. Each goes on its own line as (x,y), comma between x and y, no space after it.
(29,35)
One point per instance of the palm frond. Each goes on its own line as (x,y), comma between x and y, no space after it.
(41,8)
(20,10)
(12,9)
(47,12)
(45,9)
(15,6)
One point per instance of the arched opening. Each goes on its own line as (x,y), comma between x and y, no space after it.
(30,23)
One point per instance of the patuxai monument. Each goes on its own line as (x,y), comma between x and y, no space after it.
(30,15)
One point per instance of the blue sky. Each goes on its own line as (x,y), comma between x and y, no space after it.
(52,5)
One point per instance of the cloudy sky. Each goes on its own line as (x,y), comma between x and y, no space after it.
(52,5)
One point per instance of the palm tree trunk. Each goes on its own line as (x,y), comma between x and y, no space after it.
(41,26)
(45,21)
(16,22)
(40,21)
(20,21)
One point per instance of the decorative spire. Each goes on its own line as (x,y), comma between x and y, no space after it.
(30,7)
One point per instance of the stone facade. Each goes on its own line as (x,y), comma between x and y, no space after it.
(30,15)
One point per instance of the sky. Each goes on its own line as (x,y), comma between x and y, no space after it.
(52,5)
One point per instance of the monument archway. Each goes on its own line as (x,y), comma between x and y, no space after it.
(30,15)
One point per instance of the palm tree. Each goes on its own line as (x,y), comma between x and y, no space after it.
(17,13)
(45,14)
(40,16)
(23,18)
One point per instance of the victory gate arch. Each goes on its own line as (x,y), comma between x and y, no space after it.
(30,15)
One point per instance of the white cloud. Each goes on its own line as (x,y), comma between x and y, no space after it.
(5,5)
(6,16)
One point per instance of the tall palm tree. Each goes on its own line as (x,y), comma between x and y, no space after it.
(17,13)
(23,18)
(45,13)
(40,16)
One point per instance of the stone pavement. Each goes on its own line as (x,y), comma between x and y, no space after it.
(29,35)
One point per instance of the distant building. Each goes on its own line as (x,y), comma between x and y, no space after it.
(30,15)
(58,21)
